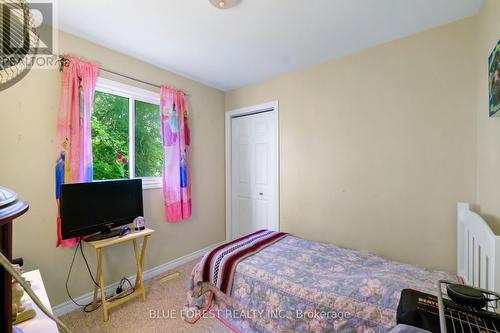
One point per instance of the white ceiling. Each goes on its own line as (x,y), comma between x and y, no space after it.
(256,40)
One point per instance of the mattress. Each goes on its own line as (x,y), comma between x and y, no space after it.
(296,285)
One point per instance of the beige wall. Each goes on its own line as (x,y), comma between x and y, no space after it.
(377,148)
(488,129)
(27,151)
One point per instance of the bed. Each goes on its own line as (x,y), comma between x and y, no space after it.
(296,285)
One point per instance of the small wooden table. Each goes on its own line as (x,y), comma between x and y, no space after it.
(99,246)
(41,322)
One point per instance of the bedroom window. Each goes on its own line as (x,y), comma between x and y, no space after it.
(148,146)
(126,133)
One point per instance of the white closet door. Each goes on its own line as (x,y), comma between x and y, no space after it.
(254,173)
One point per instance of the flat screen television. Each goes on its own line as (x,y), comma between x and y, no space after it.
(88,208)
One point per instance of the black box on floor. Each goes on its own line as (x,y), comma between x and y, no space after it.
(421,310)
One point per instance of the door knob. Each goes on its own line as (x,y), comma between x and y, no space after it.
(260,193)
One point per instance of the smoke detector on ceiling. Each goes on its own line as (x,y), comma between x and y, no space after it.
(224,4)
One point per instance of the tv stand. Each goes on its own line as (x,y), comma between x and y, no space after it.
(99,246)
(104,234)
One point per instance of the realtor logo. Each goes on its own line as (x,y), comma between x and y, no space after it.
(27,39)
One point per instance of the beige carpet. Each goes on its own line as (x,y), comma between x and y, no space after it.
(134,316)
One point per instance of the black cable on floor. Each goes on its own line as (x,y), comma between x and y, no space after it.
(122,281)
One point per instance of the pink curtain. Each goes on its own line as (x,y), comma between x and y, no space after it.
(176,141)
(73,137)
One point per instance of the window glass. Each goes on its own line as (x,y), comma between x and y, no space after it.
(110,127)
(148,145)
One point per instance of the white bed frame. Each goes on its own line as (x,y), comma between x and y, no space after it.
(478,257)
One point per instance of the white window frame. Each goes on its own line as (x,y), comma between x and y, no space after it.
(133,94)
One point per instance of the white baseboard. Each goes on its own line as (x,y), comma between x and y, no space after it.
(66,307)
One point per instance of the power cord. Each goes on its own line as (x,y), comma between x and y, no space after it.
(120,292)
(119,289)
(87,264)
(84,306)
(69,274)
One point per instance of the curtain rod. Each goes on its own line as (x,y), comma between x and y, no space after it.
(64,63)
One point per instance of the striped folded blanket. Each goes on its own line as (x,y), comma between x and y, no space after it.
(217,267)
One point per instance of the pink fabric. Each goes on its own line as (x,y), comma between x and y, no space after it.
(74,145)
(176,141)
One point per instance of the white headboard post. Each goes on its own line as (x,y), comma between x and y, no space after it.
(478,250)
(461,241)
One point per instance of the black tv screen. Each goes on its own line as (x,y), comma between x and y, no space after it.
(88,208)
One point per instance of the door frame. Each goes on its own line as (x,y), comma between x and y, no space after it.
(265,107)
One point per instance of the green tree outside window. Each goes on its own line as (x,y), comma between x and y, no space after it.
(110,138)
(148,145)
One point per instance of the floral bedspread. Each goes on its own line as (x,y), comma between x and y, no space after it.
(297,285)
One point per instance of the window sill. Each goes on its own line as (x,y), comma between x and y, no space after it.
(151,186)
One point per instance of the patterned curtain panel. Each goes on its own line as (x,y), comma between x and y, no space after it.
(74,145)
(176,141)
